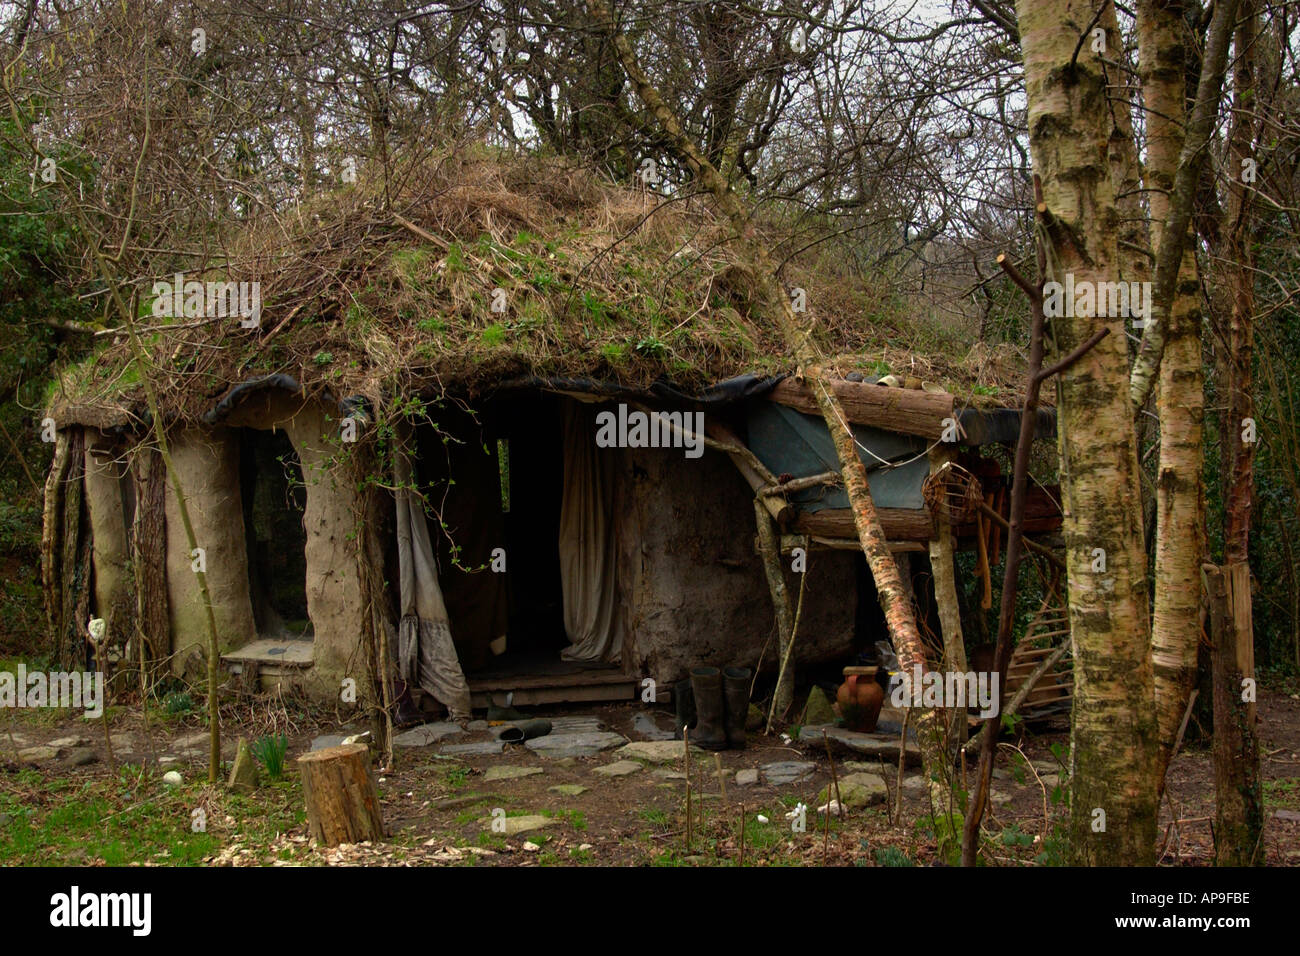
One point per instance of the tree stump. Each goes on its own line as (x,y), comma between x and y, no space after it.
(341,796)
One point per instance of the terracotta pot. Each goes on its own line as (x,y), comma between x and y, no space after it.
(860,698)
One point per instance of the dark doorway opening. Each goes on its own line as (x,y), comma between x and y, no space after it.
(274,499)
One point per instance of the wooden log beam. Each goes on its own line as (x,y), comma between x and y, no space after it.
(907,410)
(792,541)
(899,524)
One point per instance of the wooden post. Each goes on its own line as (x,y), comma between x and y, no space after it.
(769,549)
(341,796)
(1239,808)
(945,596)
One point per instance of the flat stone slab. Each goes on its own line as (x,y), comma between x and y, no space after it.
(576,725)
(473,750)
(69,742)
(916,783)
(785,772)
(884,746)
(510,773)
(568,789)
(515,825)
(583,744)
(37,754)
(655,751)
(857,790)
(474,726)
(83,757)
(645,725)
(746,778)
(622,768)
(426,734)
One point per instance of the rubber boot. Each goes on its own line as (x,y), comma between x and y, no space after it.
(710,728)
(683,707)
(735,690)
(521,730)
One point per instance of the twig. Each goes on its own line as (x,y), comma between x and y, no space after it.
(742,834)
(686,758)
(1073,357)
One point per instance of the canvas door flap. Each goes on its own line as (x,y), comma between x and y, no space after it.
(426,654)
(587,553)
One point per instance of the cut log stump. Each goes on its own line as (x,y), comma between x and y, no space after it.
(341,796)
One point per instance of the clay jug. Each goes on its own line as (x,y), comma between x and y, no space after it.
(860,698)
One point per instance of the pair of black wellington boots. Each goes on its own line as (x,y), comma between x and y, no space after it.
(713,705)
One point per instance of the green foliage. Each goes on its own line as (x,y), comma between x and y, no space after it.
(892,856)
(178,702)
(270,752)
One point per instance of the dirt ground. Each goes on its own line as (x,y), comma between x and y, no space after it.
(439,809)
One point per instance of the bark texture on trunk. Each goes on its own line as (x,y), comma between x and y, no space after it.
(1180,536)
(1240,821)
(1114,806)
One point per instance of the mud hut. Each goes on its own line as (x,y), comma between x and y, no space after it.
(501,429)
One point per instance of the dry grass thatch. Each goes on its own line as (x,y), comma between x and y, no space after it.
(374,296)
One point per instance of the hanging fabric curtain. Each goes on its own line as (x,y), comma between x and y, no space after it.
(587,556)
(426,655)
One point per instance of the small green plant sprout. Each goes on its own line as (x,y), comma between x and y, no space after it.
(178,702)
(270,752)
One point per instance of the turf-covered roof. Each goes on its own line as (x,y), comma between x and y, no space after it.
(363,294)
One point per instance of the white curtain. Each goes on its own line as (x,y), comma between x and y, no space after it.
(426,656)
(587,555)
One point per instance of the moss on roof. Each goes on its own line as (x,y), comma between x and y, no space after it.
(476,270)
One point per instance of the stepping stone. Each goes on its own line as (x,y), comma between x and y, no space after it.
(1289,815)
(330,740)
(998,798)
(786,772)
(646,726)
(478,726)
(427,734)
(576,725)
(510,773)
(857,790)
(473,750)
(620,769)
(192,742)
(746,778)
(664,774)
(860,766)
(36,754)
(64,742)
(82,757)
(515,825)
(583,744)
(568,789)
(655,751)
(874,745)
(915,782)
